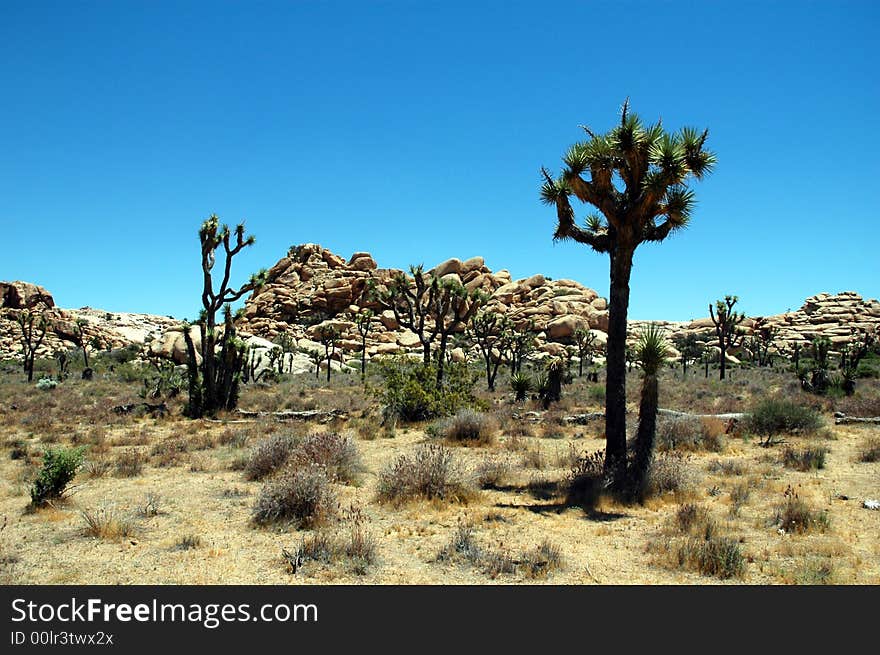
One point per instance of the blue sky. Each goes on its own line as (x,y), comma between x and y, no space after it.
(416,131)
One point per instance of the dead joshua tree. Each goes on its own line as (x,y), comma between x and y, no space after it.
(726,327)
(31,341)
(213,385)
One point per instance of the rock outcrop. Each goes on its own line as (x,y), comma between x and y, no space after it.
(312,287)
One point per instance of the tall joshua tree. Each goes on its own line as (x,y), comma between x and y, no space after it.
(650,353)
(214,384)
(584,338)
(487,329)
(726,327)
(30,340)
(636,175)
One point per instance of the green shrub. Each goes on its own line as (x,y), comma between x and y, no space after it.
(410,391)
(46,384)
(59,468)
(773,416)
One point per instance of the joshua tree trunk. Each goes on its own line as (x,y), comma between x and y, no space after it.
(615,382)
(644,446)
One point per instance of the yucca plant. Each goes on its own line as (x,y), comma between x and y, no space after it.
(651,352)
(652,168)
(521,383)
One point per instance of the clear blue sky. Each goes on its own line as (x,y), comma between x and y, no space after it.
(416,130)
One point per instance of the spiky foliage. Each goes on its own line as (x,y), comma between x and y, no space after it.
(689,348)
(487,329)
(651,352)
(521,383)
(851,354)
(516,344)
(727,328)
(363,320)
(585,340)
(33,331)
(763,341)
(328,336)
(430,307)
(213,384)
(287,344)
(636,176)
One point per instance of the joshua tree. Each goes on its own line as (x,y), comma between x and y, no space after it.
(288,346)
(63,358)
(516,344)
(487,330)
(585,339)
(30,341)
(430,306)
(363,320)
(851,354)
(316,357)
(553,390)
(276,359)
(726,327)
(763,339)
(653,167)
(213,385)
(690,349)
(328,336)
(651,351)
(83,342)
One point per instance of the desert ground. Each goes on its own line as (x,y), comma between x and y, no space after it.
(168,500)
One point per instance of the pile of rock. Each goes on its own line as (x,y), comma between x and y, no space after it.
(312,288)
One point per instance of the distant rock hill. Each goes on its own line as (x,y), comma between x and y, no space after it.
(312,286)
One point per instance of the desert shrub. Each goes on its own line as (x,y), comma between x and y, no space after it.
(151,505)
(713,555)
(268,456)
(46,384)
(696,544)
(410,391)
(532,458)
(169,452)
(773,416)
(463,545)
(301,495)
(870,451)
(97,468)
(727,466)
(466,427)
(492,471)
(794,515)
(807,459)
(337,454)
(541,560)
(107,523)
(360,547)
(689,433)
(59,468)
(188,542)
(739,496)
(586,479)
(670,472)
(129,463)
(431,472)
(596,393)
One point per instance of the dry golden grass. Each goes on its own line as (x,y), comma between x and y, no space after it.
(190,506)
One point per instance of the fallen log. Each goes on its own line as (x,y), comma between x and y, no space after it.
(843,420)
(291,415)
(583,419)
